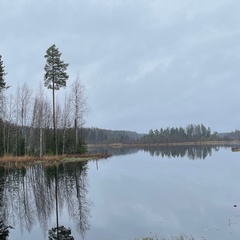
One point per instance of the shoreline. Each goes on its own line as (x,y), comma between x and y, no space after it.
(169,144)
(52,159)
(56,159)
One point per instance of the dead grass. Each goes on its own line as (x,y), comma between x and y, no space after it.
(52,158)
(9,158)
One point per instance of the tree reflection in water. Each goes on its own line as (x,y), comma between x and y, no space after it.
(4,229)
(60,233)
(28,195)
(192,152)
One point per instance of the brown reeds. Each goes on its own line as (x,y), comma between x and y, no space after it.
(52,158)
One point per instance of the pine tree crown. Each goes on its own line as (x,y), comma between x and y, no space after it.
(55,69)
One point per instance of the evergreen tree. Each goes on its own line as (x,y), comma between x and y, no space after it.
(2,76)
(55,77)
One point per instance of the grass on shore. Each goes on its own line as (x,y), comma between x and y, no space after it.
(52,158)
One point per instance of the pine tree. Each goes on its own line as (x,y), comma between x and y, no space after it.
(2,76)
(55,77)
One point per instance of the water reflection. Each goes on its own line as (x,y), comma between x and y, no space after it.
(4,232)
(192,152)
(35,194)
(116,151)
(60,233)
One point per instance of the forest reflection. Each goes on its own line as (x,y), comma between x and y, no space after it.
(192,152)
(115,151)
(28,196)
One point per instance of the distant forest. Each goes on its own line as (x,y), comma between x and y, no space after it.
(104,136)
(191,133)
(17,139)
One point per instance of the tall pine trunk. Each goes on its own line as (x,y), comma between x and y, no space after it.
(54,120)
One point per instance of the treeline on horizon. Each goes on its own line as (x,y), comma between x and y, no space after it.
(169,135)
(191,133)
(26,140)
(106,136)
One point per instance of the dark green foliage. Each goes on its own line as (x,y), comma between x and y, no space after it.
(191,133)
(21,147)
(14,143)
(82,147)
(70,143)
(4,232)
(2,75)
(55,69)
(64,233)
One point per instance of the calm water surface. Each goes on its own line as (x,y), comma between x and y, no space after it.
(163,192)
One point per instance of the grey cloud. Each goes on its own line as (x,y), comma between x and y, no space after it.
(145,64)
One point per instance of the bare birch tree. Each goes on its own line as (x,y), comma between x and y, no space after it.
(66,119)
(80,107)
(38,119)
(9,119)
(24,108)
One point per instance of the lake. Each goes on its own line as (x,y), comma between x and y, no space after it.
(136,193)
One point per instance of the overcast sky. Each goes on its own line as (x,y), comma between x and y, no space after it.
(145,63)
